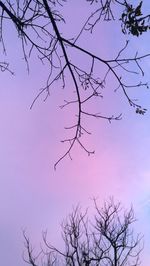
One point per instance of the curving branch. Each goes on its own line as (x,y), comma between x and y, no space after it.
(37,23)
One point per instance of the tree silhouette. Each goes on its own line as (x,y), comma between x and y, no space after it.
(108,239)
(38,22)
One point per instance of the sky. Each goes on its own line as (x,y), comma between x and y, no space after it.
(35,197)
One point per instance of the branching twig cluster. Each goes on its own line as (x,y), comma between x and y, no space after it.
(37,24)
(107,240)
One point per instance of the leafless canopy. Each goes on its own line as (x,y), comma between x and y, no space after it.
(37,23)
(108,239)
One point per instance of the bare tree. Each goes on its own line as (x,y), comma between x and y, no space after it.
(108,239)
(37,23)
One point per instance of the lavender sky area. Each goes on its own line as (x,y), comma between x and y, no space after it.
(33,196)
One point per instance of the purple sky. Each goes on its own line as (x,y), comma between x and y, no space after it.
(35,197)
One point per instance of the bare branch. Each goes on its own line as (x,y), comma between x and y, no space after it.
(107,240)
(37,25)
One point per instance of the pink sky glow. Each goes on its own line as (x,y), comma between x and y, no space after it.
(35,197)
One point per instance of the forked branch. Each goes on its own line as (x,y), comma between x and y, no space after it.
(37,24)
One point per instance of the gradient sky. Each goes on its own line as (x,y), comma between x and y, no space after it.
(35,197)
